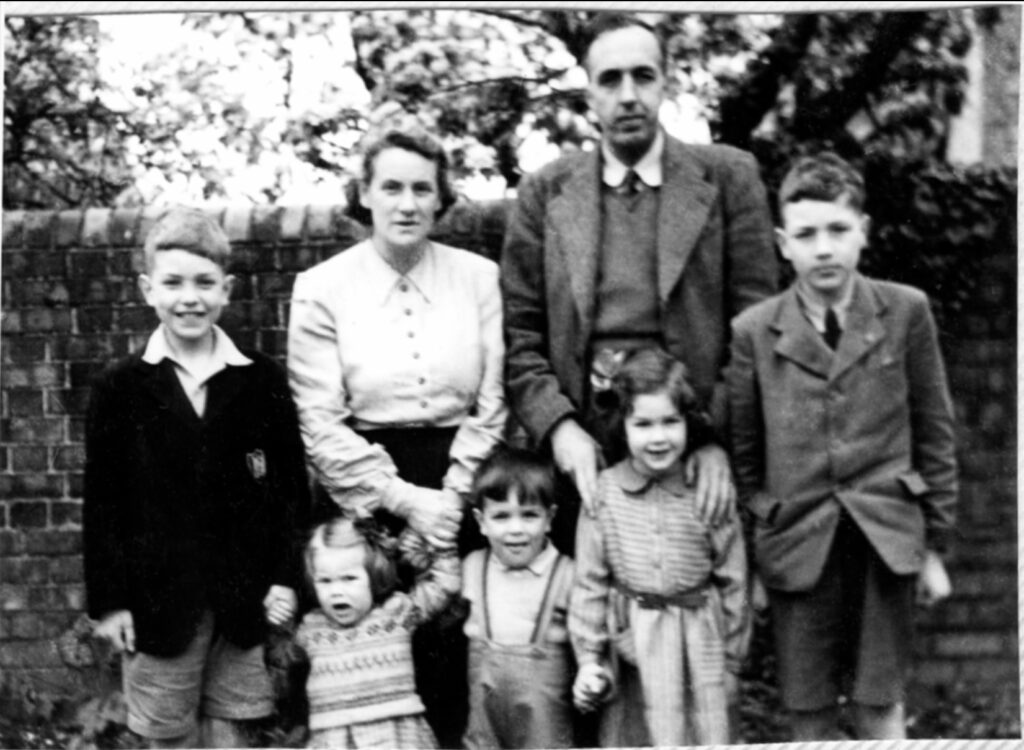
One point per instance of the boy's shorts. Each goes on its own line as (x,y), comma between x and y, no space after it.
(851,635)
(211,678)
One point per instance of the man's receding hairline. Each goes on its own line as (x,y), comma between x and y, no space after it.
(662,53)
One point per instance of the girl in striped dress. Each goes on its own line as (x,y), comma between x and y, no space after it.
(361,685)
(659,605)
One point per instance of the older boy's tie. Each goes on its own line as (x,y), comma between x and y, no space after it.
(832,329)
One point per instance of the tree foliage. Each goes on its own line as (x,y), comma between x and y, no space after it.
(494,83)
(61,141)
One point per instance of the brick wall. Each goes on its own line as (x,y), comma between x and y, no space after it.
(70,305)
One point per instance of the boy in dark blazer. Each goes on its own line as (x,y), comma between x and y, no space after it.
(195,485)
(842,435)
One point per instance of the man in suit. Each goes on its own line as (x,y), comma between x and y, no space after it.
(843,445)
(644,240)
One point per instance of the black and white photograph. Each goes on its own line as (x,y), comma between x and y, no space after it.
(509,375)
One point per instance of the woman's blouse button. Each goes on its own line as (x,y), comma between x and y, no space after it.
(415,355)
(404,287)
(412,335)
(408,311)
(423,404)
(422,381)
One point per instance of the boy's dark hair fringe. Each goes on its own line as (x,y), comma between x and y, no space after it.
(823,177)
(509,468)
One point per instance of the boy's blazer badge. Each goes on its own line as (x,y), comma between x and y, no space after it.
(257,463)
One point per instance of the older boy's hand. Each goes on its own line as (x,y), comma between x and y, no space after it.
(716,494)
(732,688)
(933,583)
(280,603)
(117,629)
(758,593)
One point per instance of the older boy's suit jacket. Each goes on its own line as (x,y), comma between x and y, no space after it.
(868,428)
(184,513)
(715,257)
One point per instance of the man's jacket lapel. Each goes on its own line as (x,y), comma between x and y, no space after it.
(685,200)
(576,215)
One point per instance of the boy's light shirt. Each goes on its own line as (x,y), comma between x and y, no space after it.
(815,311)
(514,598)
(194,384)
(648,168)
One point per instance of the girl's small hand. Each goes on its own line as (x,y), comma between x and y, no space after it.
(280,603)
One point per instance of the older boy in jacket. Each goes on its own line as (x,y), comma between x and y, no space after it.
(843,447)
(195,483)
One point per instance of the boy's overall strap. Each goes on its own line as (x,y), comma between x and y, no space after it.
(556,583)
(483,593)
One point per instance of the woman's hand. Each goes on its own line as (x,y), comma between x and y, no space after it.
(437,515)
(590,688)
(117,629)
(280,603)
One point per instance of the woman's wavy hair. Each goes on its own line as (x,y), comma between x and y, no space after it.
(415,140)
(379,551)
(650,370)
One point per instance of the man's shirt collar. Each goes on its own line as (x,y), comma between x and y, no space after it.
(648,168)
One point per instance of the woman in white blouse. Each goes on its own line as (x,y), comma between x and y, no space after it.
(395,357)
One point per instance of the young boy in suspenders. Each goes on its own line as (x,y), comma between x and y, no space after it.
(521,667)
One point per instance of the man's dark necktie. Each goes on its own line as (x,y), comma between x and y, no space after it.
(832,329)
(630,188)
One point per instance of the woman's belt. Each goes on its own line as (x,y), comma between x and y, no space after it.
(689,599)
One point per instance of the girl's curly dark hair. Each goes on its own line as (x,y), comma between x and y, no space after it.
(651,370)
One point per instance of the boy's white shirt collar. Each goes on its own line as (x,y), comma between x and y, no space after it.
(539,566)
(648,168)
(224,352)
(815,311)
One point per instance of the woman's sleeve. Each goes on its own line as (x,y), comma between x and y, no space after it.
(729,576)
(588,603)
(356,474)
(485,427)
